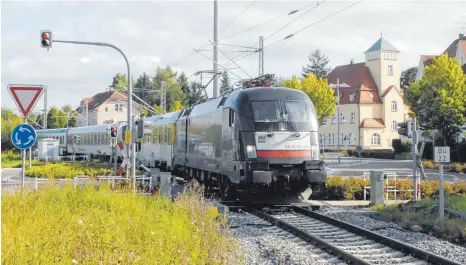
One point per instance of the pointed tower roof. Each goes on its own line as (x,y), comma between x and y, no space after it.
(382,45)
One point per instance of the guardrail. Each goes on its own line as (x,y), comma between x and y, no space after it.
(391,188)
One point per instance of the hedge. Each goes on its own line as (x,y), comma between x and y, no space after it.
(351,188)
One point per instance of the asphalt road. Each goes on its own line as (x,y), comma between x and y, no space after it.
(356,167)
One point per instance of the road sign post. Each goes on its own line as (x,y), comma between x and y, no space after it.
(441,155)
(24,136)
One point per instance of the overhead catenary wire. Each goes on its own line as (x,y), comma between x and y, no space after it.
(218,64)
(301,30)
(207,44)
(231,60)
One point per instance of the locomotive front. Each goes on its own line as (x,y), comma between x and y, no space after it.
(280,141)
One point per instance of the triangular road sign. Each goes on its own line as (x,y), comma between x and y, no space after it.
(25,97)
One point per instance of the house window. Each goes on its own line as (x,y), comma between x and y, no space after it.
(353,117)
(375,139)
(121,107)
(342,118)
(390,70)
(394,125)
(116,107)
(371,95)
(333,138)
(351,97)
(394,106)
(334,119)
(106,109)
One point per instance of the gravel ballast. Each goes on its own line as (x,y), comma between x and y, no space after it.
(263,243)
(392,230)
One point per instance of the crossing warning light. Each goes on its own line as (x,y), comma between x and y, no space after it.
(46,39)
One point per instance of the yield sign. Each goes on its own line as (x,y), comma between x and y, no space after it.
(25,97)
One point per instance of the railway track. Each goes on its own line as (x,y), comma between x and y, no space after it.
(343,241)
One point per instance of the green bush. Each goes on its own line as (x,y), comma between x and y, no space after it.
(351,188)
(400,147)
(66,170)
(98,226)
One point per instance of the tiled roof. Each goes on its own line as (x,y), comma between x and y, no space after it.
(388,90)
(463,45)
(382,45)
(451,50)
(372,123)
(98,99)
(427,59)
(361,83)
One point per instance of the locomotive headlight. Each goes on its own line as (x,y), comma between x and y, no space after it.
(251,151)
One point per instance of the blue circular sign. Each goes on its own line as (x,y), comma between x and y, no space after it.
(23,136)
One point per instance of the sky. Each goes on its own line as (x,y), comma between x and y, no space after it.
(160,33)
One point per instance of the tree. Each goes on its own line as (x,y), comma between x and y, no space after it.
(56,119)
(439,98)
(9,121)
(120,82)
(176,106)
(318,64)
(408,76)
(225,85)
(71,115)
(196,94)
(318,91)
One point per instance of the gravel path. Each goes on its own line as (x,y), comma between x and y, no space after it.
(420,240)
(263,243)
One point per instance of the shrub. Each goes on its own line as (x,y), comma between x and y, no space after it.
(65,170)
(457,167)
(429,164)
(400,147)
(344,152)
(90,226)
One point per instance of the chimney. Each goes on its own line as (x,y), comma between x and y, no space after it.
(352,61)
(461,36)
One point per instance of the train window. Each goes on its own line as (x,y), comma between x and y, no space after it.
(232,118)
(265,111)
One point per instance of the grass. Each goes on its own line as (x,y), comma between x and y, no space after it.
(13,160)
(423,214)
(90,226)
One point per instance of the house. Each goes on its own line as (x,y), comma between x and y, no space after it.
(457,49)
(371,102)
(104,108)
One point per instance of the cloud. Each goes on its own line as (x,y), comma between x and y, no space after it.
(158,33)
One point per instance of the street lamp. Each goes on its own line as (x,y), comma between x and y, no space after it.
(337,86)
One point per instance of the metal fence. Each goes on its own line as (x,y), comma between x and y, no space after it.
(391,188)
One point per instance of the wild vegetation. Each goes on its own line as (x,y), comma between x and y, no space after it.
(424,213)
(96,226)
(64,170)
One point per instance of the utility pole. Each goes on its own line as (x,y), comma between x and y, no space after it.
(414,149)
(261,56)
(337,86)
(215,49)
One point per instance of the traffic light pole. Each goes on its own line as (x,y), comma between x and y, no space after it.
(131,146)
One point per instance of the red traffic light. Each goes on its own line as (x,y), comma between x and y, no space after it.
(46,39)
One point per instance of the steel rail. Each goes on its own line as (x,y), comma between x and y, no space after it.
(395,244)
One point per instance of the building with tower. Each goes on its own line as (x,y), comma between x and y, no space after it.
(371,101)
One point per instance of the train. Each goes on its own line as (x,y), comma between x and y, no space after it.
(252,140)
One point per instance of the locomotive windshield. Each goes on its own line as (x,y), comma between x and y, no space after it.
(296,115)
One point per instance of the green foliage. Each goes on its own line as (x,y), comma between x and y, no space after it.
(439,98)
(408,77)
(400,147)
(318,91)
(9,121)
(97,226)
(318,65)
(176,106)
(56,119)
(120,82)
(63,170)
(225,84)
